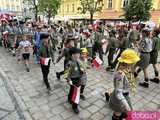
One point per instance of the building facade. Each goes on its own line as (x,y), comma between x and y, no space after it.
(11,6)
(112,10)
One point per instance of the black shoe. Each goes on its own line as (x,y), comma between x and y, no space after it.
(27,69)
(49,90)
(155,80)
(108,68)
(114,117)
(135,74)
(82,97)
(107,95)
(58,76)
(69,101)
(144,84)
(76,110)
(123,115)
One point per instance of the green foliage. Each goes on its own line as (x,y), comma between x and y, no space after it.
(49,7)
(90,6)
(33,4)
(138,10)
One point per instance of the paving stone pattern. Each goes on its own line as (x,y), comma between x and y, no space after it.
(36,104)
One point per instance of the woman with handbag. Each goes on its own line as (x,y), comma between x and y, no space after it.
(44,53)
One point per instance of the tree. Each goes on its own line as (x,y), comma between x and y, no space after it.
(33,6)
(91,7)
(49,7)
(138,10)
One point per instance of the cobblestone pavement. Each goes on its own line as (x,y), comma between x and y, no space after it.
(7,109)
(36,104)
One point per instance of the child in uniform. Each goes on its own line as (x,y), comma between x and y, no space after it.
(154,55)
(25,46)
(73,75)
(124,81)
(84,66)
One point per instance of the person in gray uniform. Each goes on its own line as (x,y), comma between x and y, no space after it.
(97,47)
(124,81)
(145,47)
(154,55)
(73,75)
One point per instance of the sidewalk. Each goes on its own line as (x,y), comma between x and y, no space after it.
(7,107)
(34,101)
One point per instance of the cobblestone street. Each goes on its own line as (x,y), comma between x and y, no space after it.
(7,108)
(25,93)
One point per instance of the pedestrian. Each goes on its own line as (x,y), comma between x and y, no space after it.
(124,80)
(24,47)
(98,37)
(73,75)
(122,44)
(6,29)
(111,48)
(65,53)
(45,59)
(38,43)
(53,41)
(133,35)
(84,65)
(154,55)
(88,43)
(18,51)
(145,47)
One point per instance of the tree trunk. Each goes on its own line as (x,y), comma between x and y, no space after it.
(49,18)
(129,25)
(36,10)
(91,18)
(36,15)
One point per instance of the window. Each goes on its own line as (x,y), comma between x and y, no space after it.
(17,8)
(109,3)
(60,9)
(67,8)
(72,7)
(125,2)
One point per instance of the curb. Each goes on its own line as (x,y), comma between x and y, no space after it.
(17,101)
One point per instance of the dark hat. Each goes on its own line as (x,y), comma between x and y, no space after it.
(15,20)
(74,50)
(113,31)
(69,40)
(44,36)
(11,20)
(125,31)
(70,37)
(53,27)
(99,29)
(21,22)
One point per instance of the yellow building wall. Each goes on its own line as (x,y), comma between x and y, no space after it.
(66,10)
(11,5)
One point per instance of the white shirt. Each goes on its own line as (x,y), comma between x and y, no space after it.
(25,44)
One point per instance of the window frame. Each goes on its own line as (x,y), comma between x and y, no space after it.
(110,4)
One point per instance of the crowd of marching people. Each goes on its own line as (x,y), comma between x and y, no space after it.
(129,51)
